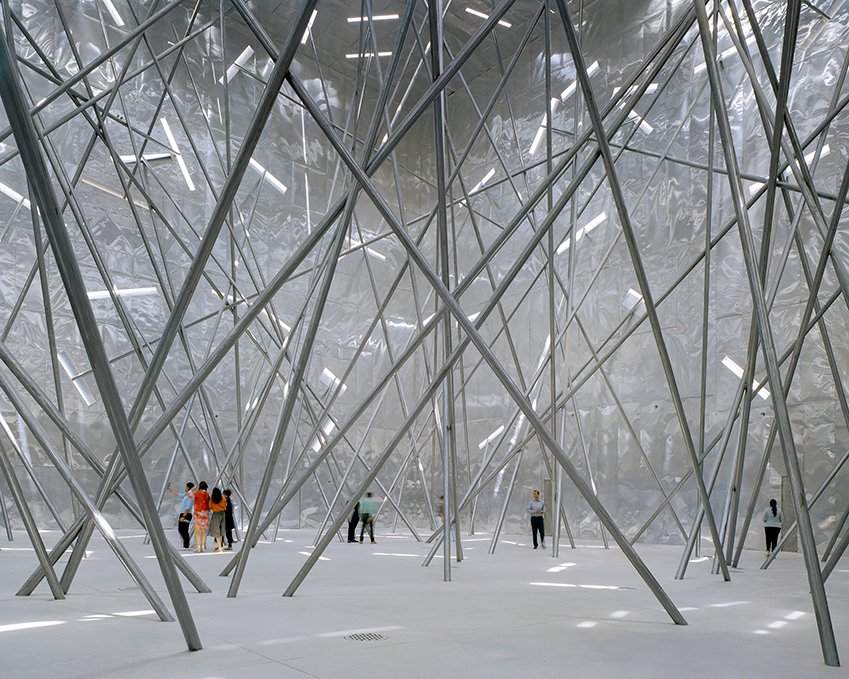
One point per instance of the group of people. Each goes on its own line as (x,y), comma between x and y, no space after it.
(211,513)
(364,513)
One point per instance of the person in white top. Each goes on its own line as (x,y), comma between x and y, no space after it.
(773,520)
(535,509)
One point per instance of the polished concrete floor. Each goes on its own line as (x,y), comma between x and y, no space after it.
(519,613)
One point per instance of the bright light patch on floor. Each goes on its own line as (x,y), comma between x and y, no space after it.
(476,13)
(632,299)
(587,624)
(618,615)
(560,568)
(393,554)
(135,614)
(795,615)
(553,584)
(17,626)
(729,604)
(778,624)
(760,631)
(321,558)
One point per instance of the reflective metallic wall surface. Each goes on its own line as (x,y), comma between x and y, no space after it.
(352,281)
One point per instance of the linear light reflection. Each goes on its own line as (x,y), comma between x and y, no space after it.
(125,292)
(738,371)
(375,17)
(309,27)
(592,69)
(14,195)
(481,15)
(181,163)
(365,55)
(113,12)
(594,223)
(236,66)
(17,626)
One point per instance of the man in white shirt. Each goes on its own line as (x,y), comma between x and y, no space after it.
(536,507)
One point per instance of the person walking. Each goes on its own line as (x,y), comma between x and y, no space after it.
(536,507)
(773,520)
(201,516)
(218,505)
(184,516)
(352,523)
(229,521)
(368,508)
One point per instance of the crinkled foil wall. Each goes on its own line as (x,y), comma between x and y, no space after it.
(267,226)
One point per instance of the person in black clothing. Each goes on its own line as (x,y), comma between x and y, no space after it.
(229,521)
(352,523)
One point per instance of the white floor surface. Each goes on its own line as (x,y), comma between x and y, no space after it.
(519,613)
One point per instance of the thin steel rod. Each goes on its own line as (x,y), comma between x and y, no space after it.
(782,416)
(30,524)
(639,270)
(26,137)
(471,332)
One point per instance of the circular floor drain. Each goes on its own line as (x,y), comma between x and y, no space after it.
(366,636)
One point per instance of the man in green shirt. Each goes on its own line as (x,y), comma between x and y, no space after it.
(368,508)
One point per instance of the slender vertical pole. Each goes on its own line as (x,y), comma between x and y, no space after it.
(26,137)
(29,524)
(782,416)
(639,270)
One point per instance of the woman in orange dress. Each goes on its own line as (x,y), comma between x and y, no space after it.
(201,516)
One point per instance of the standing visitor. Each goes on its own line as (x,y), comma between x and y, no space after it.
(218,505)
(229,521)
(184,517)
(773,519)
(201,516)
(352,523)
(536,507)
(368,508)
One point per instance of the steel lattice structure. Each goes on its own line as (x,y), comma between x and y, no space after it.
(353,320)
